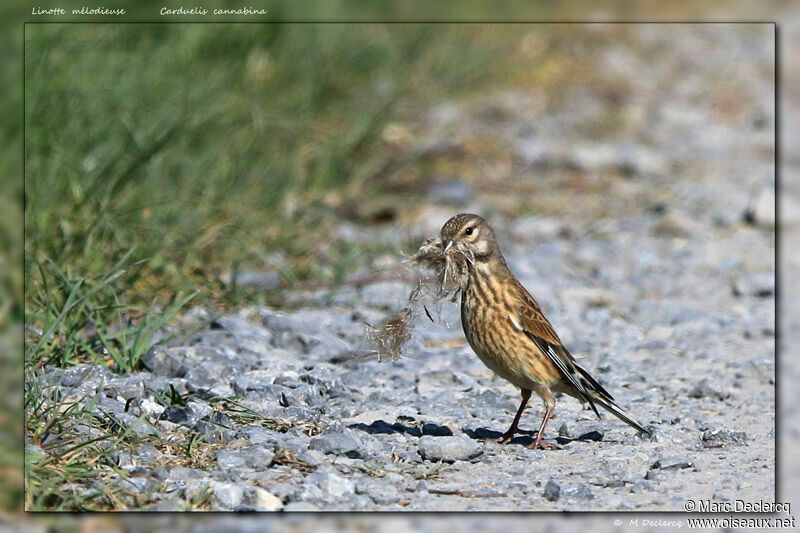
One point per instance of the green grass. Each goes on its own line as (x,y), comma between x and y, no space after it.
(66,461)
(85,319)
(57,476)
(204,147)
(195,150)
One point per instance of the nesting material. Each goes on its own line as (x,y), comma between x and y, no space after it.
(450,275)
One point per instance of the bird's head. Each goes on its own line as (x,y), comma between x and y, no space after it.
(470,235)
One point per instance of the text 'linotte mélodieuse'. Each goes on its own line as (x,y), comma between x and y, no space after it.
(77,11)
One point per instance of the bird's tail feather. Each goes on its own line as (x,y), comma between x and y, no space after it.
(619,412)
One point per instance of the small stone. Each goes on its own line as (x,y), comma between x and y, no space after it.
(227,459)
(125,387)
(258,381)
(151,407)
(337,444)
(227,494)
(762,210)
(168,362)
(262,500)
(210,432)
(124,461)
(655,475)
(552,491)
(198,409)
(141,428)
(581,492)
(704,390)
(257,457)
(177,415)
(190,415)
(448,449)
(84,376)
(147,455)
(259,435)
(182,473)
(284,491)
(672,463)
(718,438)
(760,285)
(193,488)
(311,457)
(333,484)
(563,430)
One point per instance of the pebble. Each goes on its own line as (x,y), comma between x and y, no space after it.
(333,485)
(762,211)
(760,285)
(448,449)
(672,462)
(229,495)
(704,389)
(718,438)
(337,444)
(258,499)
(552,491)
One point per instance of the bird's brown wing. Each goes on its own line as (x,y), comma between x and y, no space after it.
(535,325)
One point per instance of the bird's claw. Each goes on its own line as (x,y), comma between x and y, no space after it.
(543,445)
(505,439)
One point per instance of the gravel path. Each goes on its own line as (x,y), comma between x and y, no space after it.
(659,273)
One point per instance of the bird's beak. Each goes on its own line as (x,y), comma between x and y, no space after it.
(447,247)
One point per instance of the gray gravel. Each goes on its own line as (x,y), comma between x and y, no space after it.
(667,294)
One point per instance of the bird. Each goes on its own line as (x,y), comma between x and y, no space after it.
(510,334)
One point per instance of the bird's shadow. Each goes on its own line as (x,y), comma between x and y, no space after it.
(381,426)
(526,440)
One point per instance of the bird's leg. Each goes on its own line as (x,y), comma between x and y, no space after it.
(549,405)
(513,430)
(532,432)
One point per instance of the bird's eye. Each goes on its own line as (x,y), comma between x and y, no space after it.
(468,231)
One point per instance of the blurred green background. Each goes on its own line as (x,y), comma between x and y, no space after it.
(204,147)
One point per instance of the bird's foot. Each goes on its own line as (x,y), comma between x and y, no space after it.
(506,437)
(537,443)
